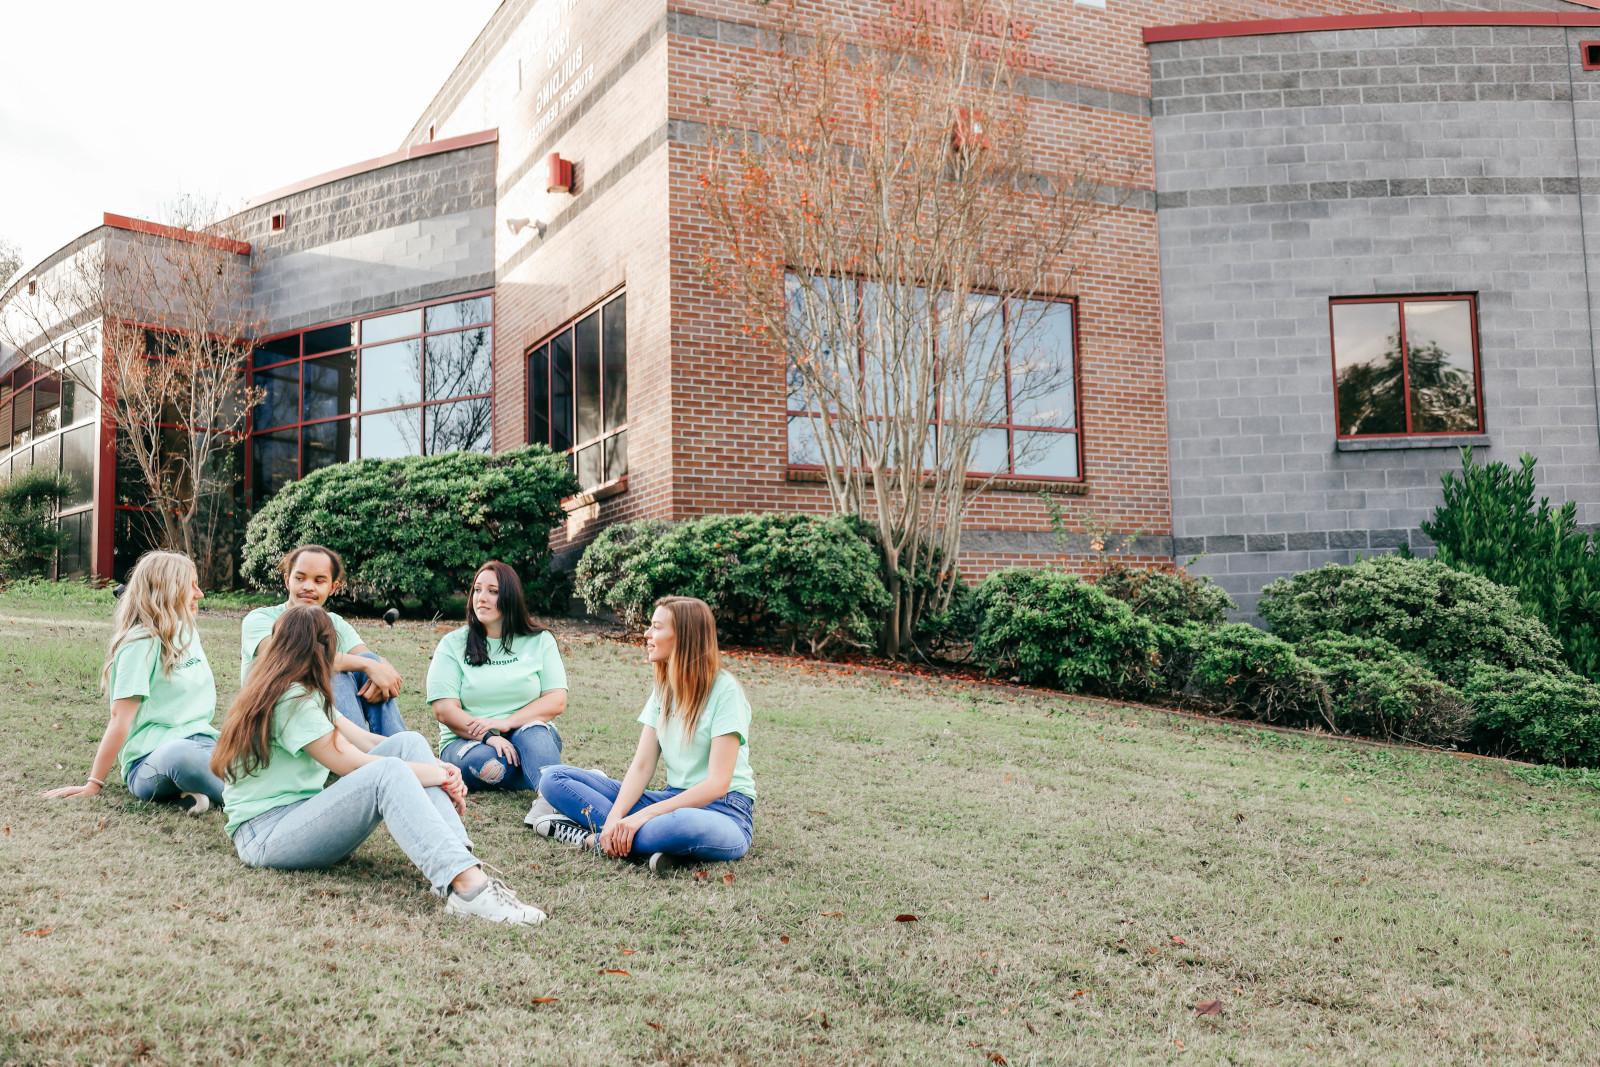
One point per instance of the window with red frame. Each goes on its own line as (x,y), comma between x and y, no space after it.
(410,382)
(578,393)
(1033,429)
(1406,365)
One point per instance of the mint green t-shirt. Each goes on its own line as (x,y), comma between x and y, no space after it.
(292,774)
(688,759)
(506,684)
(180,704)
(258,627)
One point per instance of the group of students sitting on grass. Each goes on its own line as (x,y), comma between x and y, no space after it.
(314,700)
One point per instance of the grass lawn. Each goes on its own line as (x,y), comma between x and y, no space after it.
(1083,876)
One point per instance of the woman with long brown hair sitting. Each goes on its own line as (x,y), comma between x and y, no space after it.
(697,722)
(278,745)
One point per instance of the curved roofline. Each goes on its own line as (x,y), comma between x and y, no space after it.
(80,241)
(1199,31)
(449,144)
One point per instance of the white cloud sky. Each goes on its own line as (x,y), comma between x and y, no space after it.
(124,106)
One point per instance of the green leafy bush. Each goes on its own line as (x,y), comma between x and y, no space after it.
(1165,598)
(29,535)
(1450,618)
(1047,627)
(1377,690)
(1536,715)
(1490,525)
(1242,671)
(417,528)
(803,580)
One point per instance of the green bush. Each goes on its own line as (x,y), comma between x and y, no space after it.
(1490,525)
(1377,690)
(417,528)
(800,580)
(1165,598)
(1047,627)
(1536,715)
(30,537)
(1239,670)
(1450,618)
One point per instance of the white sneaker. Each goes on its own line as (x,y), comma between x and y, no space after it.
(496,903)
(541,806)
(562,829)
(199,803)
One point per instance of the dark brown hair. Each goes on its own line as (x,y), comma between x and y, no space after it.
(299,652)
(287,563)
(515,621)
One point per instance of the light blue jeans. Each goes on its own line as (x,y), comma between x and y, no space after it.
(322,830)
(538,746)
(182,765)
(722,830)
(383,719)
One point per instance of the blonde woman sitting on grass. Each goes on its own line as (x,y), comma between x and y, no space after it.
(163,696)
(281,740)
(697,722)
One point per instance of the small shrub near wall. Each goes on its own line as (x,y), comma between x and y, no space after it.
(29,534)
(418,528)
(1379,691)
(1536,715)
(1451,619)
(798,580)
(1238,670)
(1047,627)
(1165,598)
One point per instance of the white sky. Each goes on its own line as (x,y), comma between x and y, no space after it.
(124,105)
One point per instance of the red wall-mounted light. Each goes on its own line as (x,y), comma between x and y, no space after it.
(560,174)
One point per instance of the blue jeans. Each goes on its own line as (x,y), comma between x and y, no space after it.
(179,766)
(719,831)
(538,746)
(383,719)
(322,830)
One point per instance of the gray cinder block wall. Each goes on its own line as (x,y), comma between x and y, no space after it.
(400,234)
(1297,167)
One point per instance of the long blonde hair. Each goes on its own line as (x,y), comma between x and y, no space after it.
(684,682)
(299,652)
(158,601)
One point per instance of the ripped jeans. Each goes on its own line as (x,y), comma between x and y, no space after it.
(538,746)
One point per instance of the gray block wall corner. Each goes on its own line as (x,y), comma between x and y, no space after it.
(1297,167)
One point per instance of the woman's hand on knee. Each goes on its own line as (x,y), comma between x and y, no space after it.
(503,748)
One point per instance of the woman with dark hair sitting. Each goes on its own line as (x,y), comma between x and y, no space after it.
(496,686)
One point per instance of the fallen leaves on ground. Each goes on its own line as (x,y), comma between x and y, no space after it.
(654,1026)
(1176,940)
(905,917)
(616,970)
(545,1000)
(39,931)
(727,877)
(1208,1008)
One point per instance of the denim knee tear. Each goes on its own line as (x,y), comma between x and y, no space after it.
(491,772)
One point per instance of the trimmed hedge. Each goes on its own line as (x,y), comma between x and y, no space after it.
(419,527)
(1165,598)
(1451,619)
(1379,691)
(1047,627)
(29,534)
(799,580)
(1536,715)
(1241,671)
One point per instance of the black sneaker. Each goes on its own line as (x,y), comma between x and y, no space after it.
(562,829)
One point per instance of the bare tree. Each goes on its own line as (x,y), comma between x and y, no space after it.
(10,261)
(884,213)
(177,328)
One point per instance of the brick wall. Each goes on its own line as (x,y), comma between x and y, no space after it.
(1297,167)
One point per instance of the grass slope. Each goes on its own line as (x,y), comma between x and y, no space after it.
(1083,876)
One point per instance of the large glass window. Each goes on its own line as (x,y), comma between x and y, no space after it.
(1406,366)
(578,393)
(399,383)
(47,422)
(1029,428)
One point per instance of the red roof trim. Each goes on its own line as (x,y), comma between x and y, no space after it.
(176,233)
(449,144)
(1197,31)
